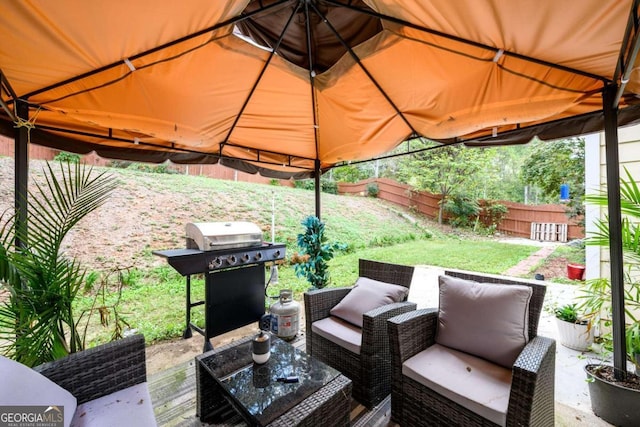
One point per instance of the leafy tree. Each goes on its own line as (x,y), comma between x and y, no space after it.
(501,175)
(351,173)
(553,163)
(445,170)
(498,176)
(381,168)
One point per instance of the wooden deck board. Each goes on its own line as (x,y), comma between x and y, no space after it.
(173,392)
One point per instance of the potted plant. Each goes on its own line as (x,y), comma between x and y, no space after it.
(37,322)
(574,330)
(612,399)
(316,253)
(614,392)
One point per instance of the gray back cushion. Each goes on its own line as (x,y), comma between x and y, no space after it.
(366,295)
(482,319)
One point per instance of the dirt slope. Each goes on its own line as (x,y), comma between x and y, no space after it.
(149,211)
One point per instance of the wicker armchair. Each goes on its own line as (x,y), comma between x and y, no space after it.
(370,371)
(531,395)
(101,370)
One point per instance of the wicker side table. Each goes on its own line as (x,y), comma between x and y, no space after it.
(229,384)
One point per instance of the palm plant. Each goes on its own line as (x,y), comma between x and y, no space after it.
(37,322)
(597,292)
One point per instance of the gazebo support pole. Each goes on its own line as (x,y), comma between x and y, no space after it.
(615,230)
(21,160)
(317,187)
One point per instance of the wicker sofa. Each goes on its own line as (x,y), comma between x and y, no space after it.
(370,369)
(531,393)
(107,371)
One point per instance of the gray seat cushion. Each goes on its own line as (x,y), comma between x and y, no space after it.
(339,332)
(474,383)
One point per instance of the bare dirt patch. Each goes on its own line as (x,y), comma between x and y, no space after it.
(170,353)
(554,267)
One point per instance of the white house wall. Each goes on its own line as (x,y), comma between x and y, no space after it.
(593,180)
(596,178)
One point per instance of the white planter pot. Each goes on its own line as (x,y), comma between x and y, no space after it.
(574,336)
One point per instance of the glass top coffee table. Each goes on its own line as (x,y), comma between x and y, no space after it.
(227,376)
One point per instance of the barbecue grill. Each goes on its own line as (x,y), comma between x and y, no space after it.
(231,255)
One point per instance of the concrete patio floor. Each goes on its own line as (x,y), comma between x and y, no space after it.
(573,405)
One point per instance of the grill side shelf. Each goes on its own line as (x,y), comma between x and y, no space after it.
(185,261)
(194,261)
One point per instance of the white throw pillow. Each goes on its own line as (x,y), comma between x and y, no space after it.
(483,319)
(366,295)
(22,386)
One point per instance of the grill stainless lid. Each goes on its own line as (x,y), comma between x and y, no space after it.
(211,236)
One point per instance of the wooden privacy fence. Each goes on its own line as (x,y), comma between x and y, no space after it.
(517,222)
(216,171)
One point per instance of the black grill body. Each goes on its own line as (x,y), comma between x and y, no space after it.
(234,285)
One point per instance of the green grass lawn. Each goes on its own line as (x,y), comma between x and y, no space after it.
(153,303)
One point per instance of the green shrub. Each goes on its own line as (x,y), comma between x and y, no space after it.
(326,185)
(65,157)
(372,189)
(304,184)
(119,164)
(163,168)
(150,168)
(461,210)
(493,213)
(390,240)
(330,187)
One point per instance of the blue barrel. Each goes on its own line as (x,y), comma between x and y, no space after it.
(564,192)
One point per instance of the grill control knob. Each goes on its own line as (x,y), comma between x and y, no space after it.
(258,256)
(231,260)
(276,254)
(245,258)
(215,263)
